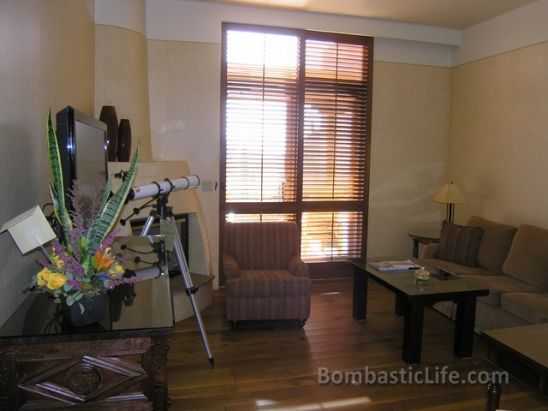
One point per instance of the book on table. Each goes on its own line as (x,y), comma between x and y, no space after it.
(394,265)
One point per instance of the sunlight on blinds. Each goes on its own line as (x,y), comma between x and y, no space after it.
(253,218)
(334,122)
(331,236)
(261,112)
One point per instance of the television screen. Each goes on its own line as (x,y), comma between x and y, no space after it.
(83,149)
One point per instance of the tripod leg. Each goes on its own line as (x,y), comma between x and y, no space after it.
(190,290)
(148,224)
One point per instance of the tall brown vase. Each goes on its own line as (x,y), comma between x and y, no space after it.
(124,140)
(108,116)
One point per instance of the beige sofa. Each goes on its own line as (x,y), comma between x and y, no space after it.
(513,264)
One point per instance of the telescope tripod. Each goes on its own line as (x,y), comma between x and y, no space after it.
(162,211)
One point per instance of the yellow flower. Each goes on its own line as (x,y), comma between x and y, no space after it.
(42,277)
(115,269)
(56,280)
(58,262)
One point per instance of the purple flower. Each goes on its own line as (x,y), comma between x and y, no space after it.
(58,248)
(115,282)
(41,260)
(74,284)
(75,235)
(109,239)
(73,266)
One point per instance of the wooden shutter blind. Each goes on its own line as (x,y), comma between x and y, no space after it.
(334,121)
(296,134)
(335,148)
(261,117)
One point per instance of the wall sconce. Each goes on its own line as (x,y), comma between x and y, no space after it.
(29,230)
(450,194)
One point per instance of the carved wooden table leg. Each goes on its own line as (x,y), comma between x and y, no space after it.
(159,394)
(7,391)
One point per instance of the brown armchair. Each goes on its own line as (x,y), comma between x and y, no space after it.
(265,278)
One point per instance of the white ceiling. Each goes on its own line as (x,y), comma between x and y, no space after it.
(456,14)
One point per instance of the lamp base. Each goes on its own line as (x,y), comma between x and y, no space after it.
(450,212)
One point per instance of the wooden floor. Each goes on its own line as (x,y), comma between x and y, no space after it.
(266,367)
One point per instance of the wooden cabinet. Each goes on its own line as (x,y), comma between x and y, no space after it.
(122,373)
(119,363)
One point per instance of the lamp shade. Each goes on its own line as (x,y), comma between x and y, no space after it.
(450,193)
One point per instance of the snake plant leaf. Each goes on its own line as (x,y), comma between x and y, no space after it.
(57,190)
(106,193)
(109,213)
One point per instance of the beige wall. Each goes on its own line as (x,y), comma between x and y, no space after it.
(499,136)
(184,84)
(409,142)
(46,55)
(409,151)
(121,80)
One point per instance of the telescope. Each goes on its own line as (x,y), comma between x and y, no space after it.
(165,187)
(148,273)
(160,192)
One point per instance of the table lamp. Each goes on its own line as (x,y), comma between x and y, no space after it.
(29,230)
(450,194)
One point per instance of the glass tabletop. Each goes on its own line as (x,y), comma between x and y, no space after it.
(144,304)
(441,282)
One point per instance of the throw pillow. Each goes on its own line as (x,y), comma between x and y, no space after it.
(459,244)
(495,243)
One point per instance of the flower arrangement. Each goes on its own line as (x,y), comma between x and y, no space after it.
(81,264)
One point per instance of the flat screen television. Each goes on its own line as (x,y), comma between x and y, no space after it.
(82,143)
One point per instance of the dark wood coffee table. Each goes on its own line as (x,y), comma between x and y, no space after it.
(411,300)
(523,352)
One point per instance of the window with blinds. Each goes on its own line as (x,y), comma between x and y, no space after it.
(261,117)
(295,134)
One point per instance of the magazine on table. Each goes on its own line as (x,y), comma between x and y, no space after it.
(395,265)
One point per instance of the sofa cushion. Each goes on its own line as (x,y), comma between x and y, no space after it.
(459,244)
(495,243)
(532,307)
(528,256)
(499,284)
(454,268)
(267,283)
